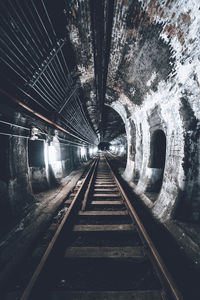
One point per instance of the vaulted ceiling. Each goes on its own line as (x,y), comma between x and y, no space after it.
(67,59)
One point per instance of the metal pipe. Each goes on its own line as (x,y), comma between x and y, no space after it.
(8,123)
(41,116)
(14,84)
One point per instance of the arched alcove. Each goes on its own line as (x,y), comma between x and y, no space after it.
(114,133)
(156,163)
(36,153)
(158,150)
(54,158)
(113,125)
(37,165)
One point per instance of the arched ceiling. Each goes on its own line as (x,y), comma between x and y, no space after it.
(113,125)
(67,58)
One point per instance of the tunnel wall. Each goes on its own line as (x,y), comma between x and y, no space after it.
(23,174)
(154,73)
(180,187)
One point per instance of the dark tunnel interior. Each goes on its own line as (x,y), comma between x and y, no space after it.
(93,78)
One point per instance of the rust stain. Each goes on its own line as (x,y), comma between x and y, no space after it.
(162,13)
(192,40)
(171,30)
(152,19)
(180,35)
(140,22)
(166,28)
(186,17)
(117,88)
(152,3)
(73,13)
(132,32)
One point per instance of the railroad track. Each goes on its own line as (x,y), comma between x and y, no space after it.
(100,249)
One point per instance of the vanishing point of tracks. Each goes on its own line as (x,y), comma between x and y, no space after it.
(101,250)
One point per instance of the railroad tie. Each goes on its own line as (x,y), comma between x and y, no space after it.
(116,227)
(105,252)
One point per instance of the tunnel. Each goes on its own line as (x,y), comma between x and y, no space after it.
(85,79)
(157,161)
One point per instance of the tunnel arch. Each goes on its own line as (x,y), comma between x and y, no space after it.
(37,165)
(130,132)
(157,149)
(54,157)
(156,161)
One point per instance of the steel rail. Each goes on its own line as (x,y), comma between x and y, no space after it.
(162,267)
(34,278)
(88,191)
